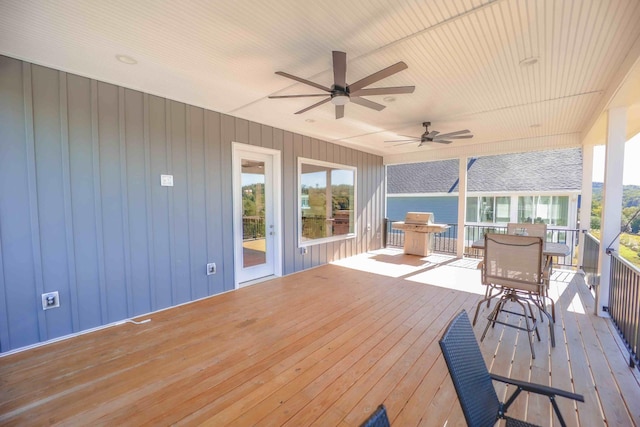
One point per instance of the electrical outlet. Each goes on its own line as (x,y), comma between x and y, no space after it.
(303,251)
(50,300)
(211,268)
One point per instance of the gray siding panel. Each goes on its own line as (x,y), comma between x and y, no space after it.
(111,192)
(197,202)
(213,167)
(135,214)
(82,201)
(160,204)
(82,210)
(289,223)
(179,206)
(18,279)
(228,135)
(50,200)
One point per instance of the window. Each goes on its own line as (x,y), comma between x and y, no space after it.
(488,209)
(327,200)
(550,210)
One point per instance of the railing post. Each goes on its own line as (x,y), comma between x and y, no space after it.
(385,225)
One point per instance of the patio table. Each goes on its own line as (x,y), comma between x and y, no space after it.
(549,250)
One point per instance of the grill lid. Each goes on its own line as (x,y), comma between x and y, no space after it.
(419,218)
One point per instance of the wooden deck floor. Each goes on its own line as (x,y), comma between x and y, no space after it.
(322,347)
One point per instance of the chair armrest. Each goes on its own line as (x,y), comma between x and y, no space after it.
(537,388)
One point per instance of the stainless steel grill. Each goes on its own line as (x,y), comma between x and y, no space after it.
(418,228)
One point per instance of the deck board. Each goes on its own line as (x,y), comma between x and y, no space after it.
(320,347)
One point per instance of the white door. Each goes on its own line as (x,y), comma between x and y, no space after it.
(256,213)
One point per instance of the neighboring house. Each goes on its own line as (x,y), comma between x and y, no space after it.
(539,186)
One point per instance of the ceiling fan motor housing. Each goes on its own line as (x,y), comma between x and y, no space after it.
(339,95)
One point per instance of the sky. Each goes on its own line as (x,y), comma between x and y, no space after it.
(631,174)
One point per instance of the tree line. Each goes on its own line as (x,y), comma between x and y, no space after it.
(630,204)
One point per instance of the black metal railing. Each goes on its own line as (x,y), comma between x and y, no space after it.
(624,303)
(252,228)
(445,242)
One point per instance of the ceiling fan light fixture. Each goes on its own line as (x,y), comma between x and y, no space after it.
(126,59)
(527,62)
(340,99)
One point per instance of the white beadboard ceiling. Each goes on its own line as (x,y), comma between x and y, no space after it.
(463,57)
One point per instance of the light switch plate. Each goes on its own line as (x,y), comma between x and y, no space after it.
(166,180)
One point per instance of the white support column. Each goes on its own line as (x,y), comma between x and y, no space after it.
(611,199)
(586,197)
(462,205)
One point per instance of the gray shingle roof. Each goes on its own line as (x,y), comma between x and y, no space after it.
(551,170)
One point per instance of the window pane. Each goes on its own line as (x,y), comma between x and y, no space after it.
(543,209)
(486,209)
(342,197)
(327,200)
(560,211)
(503,209)
(525,209)
(472,209)
(312,198)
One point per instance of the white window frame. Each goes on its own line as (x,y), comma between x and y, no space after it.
(304,160)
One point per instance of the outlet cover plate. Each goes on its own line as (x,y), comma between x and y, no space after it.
(50,300)
(211,268)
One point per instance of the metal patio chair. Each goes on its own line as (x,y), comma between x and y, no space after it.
(473,382)
(378,418)
(516,266)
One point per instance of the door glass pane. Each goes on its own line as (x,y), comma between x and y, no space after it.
(503,209)
(486,209)
(525,209)
(253,213)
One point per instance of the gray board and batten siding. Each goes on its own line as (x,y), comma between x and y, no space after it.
(82,211)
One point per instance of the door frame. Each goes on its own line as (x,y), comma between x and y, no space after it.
(239,150)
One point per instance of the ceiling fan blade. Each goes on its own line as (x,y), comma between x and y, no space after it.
(442,141)
(458,132)
(317,104)
(405,140)
(432,134)
(456,136)
(339,111)
(367,103)
(296,96)
(301,80)
(384,91)
(340,68)
(389,71)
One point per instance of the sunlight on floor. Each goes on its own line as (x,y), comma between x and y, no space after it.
(576,305)
(390,262)
(438,270)
(452,277)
